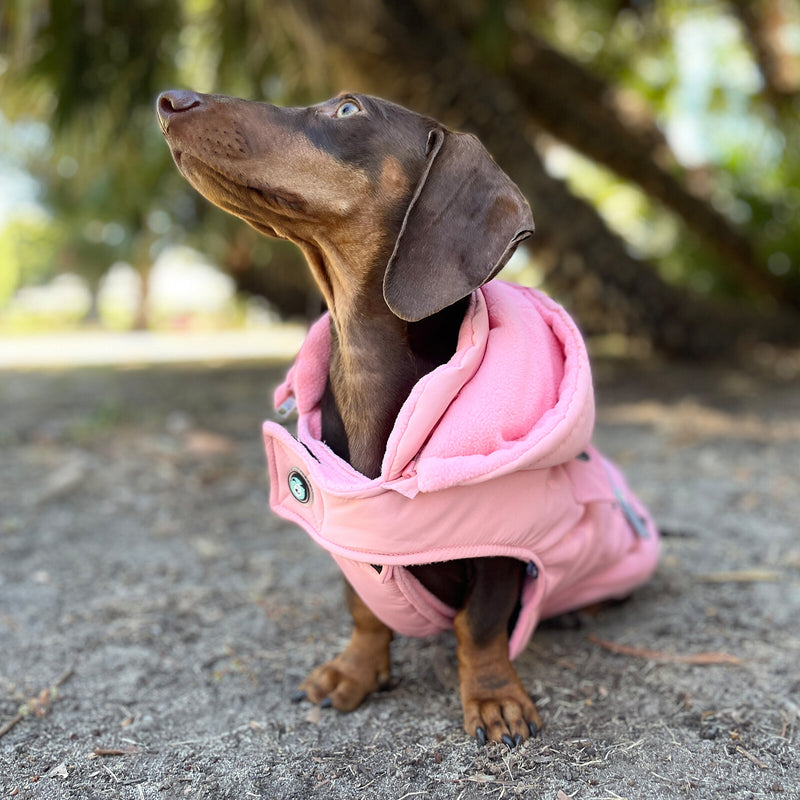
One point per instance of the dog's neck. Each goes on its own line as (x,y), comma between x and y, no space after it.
(372,371)
(376,357)
(372,368)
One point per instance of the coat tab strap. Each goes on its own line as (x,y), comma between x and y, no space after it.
(286,408)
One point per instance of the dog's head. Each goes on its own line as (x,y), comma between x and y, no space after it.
(373,193)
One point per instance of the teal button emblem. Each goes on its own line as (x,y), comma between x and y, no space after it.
(298,486)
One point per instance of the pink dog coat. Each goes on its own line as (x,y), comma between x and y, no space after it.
(489,456)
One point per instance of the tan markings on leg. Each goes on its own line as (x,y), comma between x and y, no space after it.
(492,696)
(360,669)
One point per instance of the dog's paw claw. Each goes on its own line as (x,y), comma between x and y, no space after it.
(299,696)
(533,729)
(480,735)
(326,703)
(504,712)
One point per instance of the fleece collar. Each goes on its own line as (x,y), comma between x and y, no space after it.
(516,394)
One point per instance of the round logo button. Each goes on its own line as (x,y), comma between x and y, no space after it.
(299,486)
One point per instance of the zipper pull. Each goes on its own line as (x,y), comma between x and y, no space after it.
(634,520)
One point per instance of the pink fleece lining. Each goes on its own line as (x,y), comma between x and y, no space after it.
(490,455)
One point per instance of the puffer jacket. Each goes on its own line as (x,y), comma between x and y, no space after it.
(490,455)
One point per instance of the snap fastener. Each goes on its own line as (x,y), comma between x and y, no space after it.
(299,486)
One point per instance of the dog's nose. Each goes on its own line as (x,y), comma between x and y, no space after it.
(176,101)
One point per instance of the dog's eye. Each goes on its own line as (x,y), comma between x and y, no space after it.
(346,109)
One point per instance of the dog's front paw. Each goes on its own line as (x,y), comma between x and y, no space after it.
(343,683)
(497,708)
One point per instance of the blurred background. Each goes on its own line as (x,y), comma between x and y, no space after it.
(657,141)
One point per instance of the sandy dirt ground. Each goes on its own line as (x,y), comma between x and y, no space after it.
(155,618)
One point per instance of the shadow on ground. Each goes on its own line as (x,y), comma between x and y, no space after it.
(155,618)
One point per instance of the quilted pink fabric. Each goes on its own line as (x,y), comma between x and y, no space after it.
(490,455)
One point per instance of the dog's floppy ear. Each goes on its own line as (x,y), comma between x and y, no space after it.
(464,221)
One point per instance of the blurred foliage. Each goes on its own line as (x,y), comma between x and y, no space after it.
(29,250)
(89,70)
(690,68)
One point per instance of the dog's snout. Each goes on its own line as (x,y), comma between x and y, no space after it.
(175,102)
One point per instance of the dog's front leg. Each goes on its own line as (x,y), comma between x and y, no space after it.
(495,703)
(360,669)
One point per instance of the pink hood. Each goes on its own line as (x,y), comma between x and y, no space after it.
(490,455)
